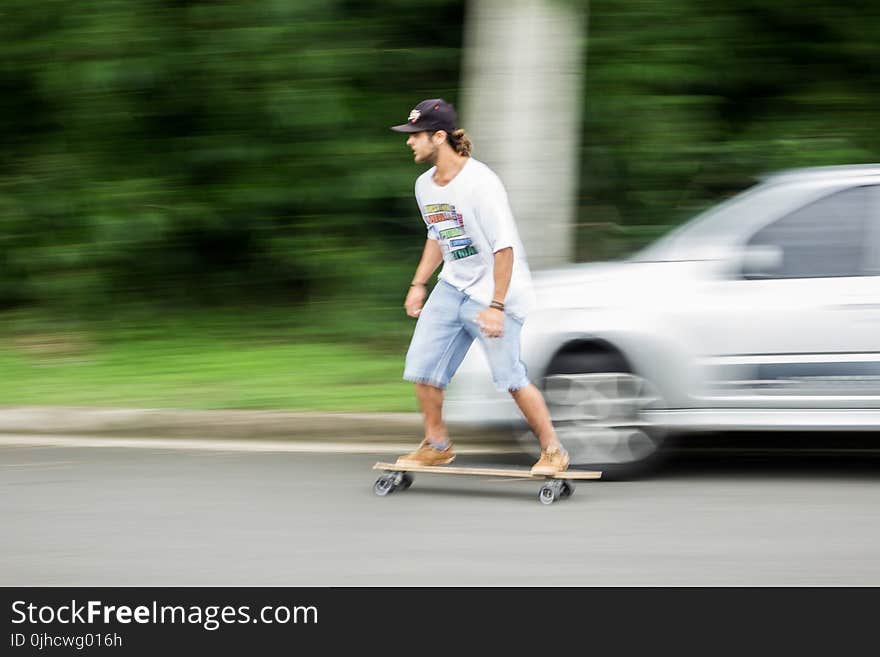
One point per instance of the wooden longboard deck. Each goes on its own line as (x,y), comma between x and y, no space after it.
(487,472)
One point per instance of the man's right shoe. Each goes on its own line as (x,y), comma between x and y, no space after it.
(427,454)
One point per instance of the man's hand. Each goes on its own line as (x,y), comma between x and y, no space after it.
(491,322)
(414,300)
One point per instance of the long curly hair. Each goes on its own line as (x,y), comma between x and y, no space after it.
(461,142)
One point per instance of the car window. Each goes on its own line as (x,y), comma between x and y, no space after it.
(717,225)
(826,238)
(872,258)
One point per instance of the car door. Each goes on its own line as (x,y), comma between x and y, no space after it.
(803,332)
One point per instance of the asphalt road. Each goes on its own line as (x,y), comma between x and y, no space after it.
(129,517)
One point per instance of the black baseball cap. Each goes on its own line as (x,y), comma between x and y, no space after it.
(432,114)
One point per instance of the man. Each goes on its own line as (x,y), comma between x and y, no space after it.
(484,290)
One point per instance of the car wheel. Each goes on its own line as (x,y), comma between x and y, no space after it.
(596,403)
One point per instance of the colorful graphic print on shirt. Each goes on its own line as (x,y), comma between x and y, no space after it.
(449,225)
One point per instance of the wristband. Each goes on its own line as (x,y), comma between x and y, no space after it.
(497,305)
(417,285)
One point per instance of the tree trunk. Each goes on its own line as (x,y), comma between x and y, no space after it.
(522,102)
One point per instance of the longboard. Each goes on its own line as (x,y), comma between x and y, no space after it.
(556,486)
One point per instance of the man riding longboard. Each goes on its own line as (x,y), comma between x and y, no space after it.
(484,291)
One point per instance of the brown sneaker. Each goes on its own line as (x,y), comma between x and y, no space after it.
(426,454)
(552,460)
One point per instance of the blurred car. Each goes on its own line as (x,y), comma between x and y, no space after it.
(762,313)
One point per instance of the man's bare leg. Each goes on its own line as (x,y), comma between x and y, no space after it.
(436,448)
(531,404)
(431,402)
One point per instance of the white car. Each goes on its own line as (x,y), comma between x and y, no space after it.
(762,314)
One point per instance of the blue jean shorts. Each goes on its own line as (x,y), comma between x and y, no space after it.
(445,330)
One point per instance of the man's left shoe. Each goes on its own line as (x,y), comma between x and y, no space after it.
(552,461)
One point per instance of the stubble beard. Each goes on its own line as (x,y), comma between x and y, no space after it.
(429,158)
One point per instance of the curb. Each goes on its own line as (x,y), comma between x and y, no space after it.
(405,428)
(250,446)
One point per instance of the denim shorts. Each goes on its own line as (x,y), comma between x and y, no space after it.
(445,330)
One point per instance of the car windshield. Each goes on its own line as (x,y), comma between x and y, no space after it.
(716,227)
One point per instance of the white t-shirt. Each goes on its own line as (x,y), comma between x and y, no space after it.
(471,219)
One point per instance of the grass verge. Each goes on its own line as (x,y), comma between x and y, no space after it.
(319,359)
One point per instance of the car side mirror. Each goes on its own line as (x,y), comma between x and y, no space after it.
(760,261)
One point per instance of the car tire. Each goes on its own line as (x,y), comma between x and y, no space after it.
(596,402)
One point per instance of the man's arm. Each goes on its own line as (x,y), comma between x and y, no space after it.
(502,273)
(491,320)
(432,256)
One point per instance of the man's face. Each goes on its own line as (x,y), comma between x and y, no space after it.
(423,148)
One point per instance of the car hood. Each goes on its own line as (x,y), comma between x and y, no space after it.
(610,283)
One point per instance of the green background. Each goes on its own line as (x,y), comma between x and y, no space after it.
(201,204)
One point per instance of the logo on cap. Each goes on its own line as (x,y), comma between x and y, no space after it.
(414,116)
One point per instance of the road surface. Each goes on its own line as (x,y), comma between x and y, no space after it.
(135,517)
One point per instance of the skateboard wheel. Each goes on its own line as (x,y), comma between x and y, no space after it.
(546,495)
(405,482)
(566,490)
(383,486)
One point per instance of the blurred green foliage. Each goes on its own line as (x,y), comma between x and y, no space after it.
(182,154)
(212,152)
(686,101)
